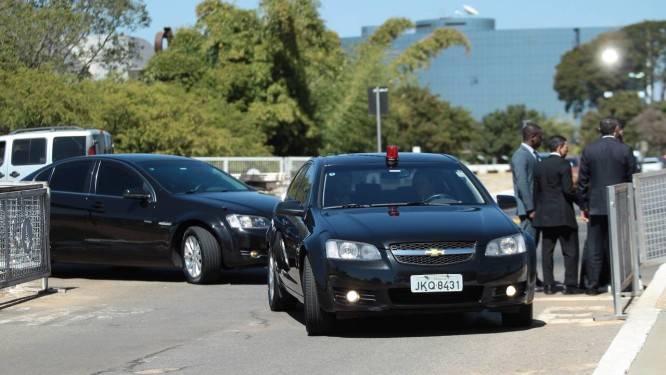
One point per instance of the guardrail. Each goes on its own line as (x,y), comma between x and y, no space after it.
(24,233)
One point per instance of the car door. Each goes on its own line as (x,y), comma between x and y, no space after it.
(293,228)
(3,158)
(27,155)
(70,211)
(126,228)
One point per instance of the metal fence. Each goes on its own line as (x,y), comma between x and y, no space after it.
(24,233)
(651,215)
(625,266)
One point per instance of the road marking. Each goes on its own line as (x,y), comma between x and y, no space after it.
(572,298)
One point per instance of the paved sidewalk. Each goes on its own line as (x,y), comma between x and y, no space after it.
(652,357)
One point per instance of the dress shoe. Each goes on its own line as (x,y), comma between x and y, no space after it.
(572,290)
(549,289)
(593,292)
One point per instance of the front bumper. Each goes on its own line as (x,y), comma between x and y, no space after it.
(384,286)
(246,248)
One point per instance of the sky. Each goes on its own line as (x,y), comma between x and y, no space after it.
(346,17)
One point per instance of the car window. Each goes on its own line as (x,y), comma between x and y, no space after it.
(302,184)
(66,147)
(29,151)
(186,176)
(413,184)
(71,177)
(44,175)
(114,178)
(2,152)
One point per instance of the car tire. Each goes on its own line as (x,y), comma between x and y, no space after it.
(202,258)
(278,298)
(521,318)
(317,321)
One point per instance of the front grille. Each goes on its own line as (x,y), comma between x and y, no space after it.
(426,260)
(433,245)
(404,296)
(417,253)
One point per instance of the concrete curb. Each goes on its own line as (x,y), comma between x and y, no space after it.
(631,338)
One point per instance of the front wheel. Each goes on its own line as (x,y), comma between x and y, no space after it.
(202,257)
(521,318)
(278,298)
(317,321)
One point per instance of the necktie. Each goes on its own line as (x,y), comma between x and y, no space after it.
(536,155)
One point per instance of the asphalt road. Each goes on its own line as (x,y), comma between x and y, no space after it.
(130,321)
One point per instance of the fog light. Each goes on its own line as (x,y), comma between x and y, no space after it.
(254,254)
(510,291)
(352,296)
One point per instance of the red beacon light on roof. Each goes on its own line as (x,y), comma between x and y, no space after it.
(392,155)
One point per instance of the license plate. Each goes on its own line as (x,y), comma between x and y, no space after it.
(436,283)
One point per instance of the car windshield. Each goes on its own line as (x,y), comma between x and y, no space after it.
(366,186)
(190,176)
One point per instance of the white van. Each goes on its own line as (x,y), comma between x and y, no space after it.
(24,151)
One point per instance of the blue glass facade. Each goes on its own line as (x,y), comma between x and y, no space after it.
(504,67)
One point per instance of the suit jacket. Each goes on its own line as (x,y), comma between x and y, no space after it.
(522,169)
(554,194)
(604,162)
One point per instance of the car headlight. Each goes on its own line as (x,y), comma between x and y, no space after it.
(509,245)
(247,222)
(338,249)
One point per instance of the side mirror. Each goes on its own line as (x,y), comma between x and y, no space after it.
(290,208)
(506,202)
(138,194)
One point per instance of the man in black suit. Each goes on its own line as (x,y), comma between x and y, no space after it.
(554,195)
(605,162)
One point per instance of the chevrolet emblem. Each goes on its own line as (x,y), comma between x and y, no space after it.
(434,252)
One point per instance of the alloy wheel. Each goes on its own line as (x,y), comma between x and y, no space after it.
(192,256)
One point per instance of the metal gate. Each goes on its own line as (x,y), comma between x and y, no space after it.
(24,233)
(651,215)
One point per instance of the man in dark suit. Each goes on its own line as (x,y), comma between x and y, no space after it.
(554,195)
(605,162)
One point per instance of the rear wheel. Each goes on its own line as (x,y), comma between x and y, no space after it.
(317,321)
(521,318)
(202,257)
(278,298)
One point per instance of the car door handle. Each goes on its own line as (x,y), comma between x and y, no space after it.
(14,174)
(97,206)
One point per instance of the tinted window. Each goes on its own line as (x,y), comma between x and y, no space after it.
(302,184)
(44,175)
(414,184)
(71,177)
(190,176)
(66,147)
(2,152)
(29,151)
(114,179)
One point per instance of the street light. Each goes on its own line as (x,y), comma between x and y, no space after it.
(610,56)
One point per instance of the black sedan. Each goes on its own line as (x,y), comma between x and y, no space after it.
(370,234)
(155,210)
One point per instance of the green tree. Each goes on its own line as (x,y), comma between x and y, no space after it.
(348,127)
(581,78)
(420,118)
(651,125)
(501,131)
(624,106)
(67,35)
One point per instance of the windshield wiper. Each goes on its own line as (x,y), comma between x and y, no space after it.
(194,189)
(351,205)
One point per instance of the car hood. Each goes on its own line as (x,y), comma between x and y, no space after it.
(419,224)
(246,202)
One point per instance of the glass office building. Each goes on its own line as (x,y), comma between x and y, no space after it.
(504,67)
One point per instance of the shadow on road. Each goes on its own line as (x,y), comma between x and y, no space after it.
(249,276)
(421,325)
